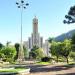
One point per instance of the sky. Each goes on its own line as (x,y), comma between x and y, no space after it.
(50,14)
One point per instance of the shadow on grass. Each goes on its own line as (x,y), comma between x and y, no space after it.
(44,68)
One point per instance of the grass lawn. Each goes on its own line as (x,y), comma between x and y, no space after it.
(16,70)
(71,64)
(43,63)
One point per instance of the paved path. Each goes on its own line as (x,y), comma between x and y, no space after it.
(51,70)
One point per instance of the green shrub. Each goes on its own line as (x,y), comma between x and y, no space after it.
(45,59)
(8,54)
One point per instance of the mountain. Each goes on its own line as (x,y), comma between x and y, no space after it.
(67,35)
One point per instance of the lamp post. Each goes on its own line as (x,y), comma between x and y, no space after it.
(22,5)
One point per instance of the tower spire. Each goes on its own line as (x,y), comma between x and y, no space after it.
(35,25)
(35,16)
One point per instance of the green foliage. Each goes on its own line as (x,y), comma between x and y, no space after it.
(17,45)
(50,40)
(26,53)
(0,55)
(73,42)
(32,53)
(34,48)
(66,49)
(43,63)
(15,70)
(36,53)
(72,55)
(8,53)
(61,49)
(73,39)
(70,17)
(1,45)
(39,53)
(56,49)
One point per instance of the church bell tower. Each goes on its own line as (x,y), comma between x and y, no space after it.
(35,32)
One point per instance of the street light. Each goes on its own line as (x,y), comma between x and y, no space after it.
(22,5)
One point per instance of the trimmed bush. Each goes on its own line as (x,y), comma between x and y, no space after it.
(45,59)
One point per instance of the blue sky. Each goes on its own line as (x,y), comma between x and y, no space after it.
(50,14)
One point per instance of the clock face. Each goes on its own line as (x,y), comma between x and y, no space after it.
(34,23)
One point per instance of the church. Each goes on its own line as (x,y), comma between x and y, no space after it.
(36,39)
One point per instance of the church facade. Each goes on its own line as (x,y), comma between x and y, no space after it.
(36,39)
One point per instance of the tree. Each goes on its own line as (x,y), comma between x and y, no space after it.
(73,42)
(17,45)
(36,53)
(73,39)
(32,53)
(1,45)
(70,17)
(8,53)
(66,49)
(56,49)
(50,40)
(26,53)
(34,48)
(1,54)
(39,53)
(72,55)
